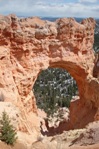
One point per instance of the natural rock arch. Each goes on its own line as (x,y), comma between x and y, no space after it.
(30,45)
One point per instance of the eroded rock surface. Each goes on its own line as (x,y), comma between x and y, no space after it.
(30,45)
(87,138)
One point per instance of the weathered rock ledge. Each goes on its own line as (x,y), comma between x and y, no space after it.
(30,45)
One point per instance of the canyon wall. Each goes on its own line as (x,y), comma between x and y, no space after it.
(30,45)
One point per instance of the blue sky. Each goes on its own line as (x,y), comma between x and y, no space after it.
(54,8)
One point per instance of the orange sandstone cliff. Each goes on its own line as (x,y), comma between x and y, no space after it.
(30,45)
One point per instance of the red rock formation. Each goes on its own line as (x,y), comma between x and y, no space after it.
(30,45)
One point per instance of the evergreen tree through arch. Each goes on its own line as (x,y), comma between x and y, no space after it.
(54,88)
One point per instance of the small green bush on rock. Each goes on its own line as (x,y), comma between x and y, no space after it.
(7,131)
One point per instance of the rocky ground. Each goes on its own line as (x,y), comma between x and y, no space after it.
(86,138)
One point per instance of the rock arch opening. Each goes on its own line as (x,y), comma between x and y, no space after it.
(54,89)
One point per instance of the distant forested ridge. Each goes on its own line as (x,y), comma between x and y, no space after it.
(54,88)
(96,37)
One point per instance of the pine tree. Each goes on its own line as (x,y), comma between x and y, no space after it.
(7,131)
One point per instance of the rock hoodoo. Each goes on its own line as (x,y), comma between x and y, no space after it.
(30,45)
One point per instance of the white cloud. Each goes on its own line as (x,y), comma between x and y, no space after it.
(88,1)
(46,8)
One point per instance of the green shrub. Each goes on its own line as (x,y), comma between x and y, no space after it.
(7,131)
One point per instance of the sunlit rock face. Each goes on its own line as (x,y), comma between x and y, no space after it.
(30,45)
